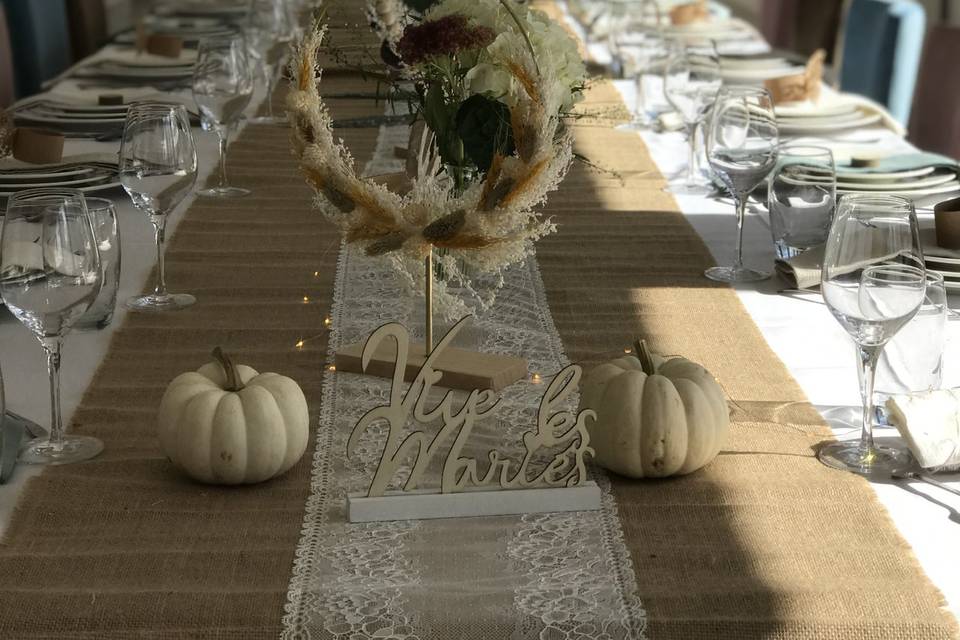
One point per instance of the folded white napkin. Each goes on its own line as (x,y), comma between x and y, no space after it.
(930,424)
(803,271)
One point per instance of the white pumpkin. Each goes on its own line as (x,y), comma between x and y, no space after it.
(226,424)
(655,417)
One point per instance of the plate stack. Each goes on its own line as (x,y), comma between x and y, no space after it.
(949,268)
(77,121)
(754,69)
(910,183)
(812,119)
(86,175)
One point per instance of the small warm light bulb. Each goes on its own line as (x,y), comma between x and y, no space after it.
(331,367)
(628,350)
(535,378)
(299,344)
(328,322)
(306,299)
(316,274)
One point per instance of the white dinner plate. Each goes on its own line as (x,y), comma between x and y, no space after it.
(753,62)
(940,261)
(756,74)
(901,185)
(866,120)
(894,175)
(810,110)
(948,187)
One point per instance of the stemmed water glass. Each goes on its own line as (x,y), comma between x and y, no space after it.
(873,281)
(801,198)
(268,27)
(641,59)
(50,274)
(158,168)
(691,81)
(222,88)
(742,144)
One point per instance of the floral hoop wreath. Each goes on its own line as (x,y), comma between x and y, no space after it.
(491,225)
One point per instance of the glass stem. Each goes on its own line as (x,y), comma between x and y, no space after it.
(692,163)
(159,226)
(640,115)
(868,358)
(223,133)
(52,348)
(740,202)
(270,81)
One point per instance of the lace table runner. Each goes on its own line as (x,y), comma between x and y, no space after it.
(566,575)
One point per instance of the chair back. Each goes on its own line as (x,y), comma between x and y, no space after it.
(801,25)
(8,91)
(88,26)
(40,41)
(935,120)
(882,43)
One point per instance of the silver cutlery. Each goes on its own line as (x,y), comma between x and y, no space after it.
(923,476)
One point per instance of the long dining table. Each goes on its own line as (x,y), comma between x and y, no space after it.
(765,542)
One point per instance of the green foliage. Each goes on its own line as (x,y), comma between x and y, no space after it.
(483,125)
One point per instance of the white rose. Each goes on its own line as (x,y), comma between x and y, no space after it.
(488,78)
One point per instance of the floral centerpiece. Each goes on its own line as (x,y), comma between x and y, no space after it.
(493,81)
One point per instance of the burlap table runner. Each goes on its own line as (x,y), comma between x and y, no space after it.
(764,543)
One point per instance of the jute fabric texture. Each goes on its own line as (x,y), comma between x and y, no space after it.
(763,543)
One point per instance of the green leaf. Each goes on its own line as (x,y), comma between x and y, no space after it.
(483,125)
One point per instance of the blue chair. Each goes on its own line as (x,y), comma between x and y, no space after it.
(882,43)
(40,39)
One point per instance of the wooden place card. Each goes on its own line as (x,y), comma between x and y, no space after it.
(165,45)
(38,146)
(946,217)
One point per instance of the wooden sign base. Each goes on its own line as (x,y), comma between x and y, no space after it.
(461,369)
(425,505)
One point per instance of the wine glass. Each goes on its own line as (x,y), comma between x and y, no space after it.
(691,81)
(158,168)
(641,58)
(268,27)
(873,281)
(801,198)
(50,274)
(222,88)
(742,147)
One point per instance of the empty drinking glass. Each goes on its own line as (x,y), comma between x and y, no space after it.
(103,217)
(801,198)
(913,360)
(644,57)
(158,167)
(268,28)
(873,281)
(50,274)
(222,88)
(742,147)
(691,80)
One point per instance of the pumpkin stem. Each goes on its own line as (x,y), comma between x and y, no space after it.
(642,352)
(233,376)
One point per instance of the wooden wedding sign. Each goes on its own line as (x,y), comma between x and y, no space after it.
(501,485)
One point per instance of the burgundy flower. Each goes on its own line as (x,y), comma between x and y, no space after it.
(444,36)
